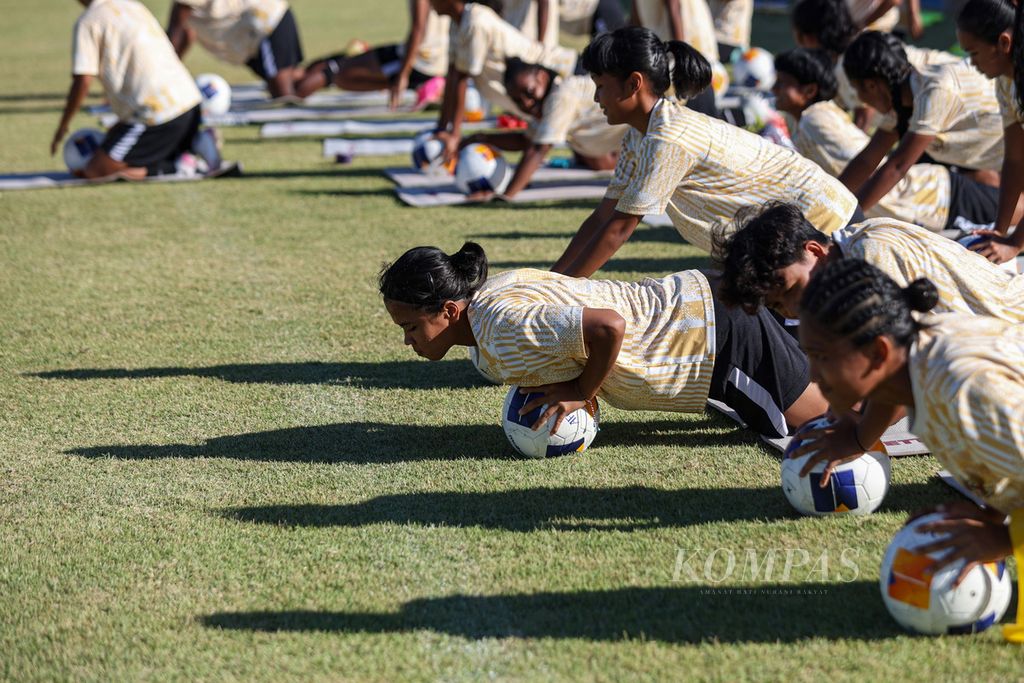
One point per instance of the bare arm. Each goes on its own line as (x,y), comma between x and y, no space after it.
(543,16)
(418,26)
(507,142)
(528,165)
(76,95)
(914,23)
(607,240)
(603,331)
(864,164)
(675,19)
(587,230)
(1011,182)
(450,123)
(880,11)
(178,30)
(894,169)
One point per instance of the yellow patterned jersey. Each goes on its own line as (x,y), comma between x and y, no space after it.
(702,170)
(528,326)
(432,54)
(571,115)
(122,43)
(732,21)
(232,30)
(967,282)
(826,135)
(957,106)
(1006,93)
(967,374)
(523,15)
(919,57)
(698,26)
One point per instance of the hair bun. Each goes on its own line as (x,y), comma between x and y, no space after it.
(470,262)
(921,295)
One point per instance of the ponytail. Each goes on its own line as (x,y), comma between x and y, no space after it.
(425,277)
(663,64)
(853,300)
(881,55)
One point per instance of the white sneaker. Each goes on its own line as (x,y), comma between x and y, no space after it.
(189,166)
(207,144)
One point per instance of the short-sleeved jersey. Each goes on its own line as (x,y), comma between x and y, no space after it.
(571,116)
(919,57)
(1006,94)
(432,54)
(122,43)
(967,374)
(860,10)
(528,326)
(967,281)
(698,26)
(233,29)
(702,170)
(957,106)
(732,19)
(826,135)
(523,15)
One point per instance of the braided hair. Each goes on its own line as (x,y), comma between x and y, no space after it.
(663,63)
(829,21)
(426,277)
(881,55)
(851,299)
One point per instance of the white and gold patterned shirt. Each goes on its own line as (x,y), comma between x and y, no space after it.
(967,374)
(698,26)
(826,135)
(733,19)
(702,170)
(967,281)
(122,43)
(232,30)
(571,115)
(523,15)
(528,326)
(957,106)
(432,54)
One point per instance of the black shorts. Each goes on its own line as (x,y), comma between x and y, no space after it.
(280,50)
(139,145)
(857,217)
(760,370)
(971,201)
(391,58)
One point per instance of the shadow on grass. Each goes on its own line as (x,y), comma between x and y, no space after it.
(403,374)
(642,234)
(624,265)
(769,613)
(562,509)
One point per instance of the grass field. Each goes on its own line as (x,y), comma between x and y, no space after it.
(219,462)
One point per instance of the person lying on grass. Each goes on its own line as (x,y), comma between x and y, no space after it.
(960,377)
(769,254)
(662,344)
(564,111)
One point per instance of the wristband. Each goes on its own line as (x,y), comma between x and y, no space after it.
(1014,633)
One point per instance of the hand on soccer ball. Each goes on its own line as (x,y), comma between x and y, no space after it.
(998,248)
(561,398)
(480,196)
(833,444)
(451,145)
(972,534)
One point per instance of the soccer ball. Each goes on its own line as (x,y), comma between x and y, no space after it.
(924,602)
(428,154)
(475,108)
(79,148)
(481,167)
(575,434)
(754,68)
(856,487)
(216,94)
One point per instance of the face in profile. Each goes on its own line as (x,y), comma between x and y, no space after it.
(873,92)
(611,94)
(989,59)
(428,334)
(790,96)
(845,374)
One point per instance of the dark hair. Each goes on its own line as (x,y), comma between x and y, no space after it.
(751,250)
(1017,54)
(633,48)
(986,19)
(853,300)
(426,277)
(881,55)
(514,66)
(829,21)
(810,67)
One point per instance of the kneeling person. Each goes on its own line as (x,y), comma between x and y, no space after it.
(154,96)
(661,344)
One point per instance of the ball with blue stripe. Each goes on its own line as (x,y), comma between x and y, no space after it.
(575,434)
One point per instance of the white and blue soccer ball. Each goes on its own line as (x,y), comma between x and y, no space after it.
(575,434)
(474,105)
(216,94)
(924,601)
(857,487)
(753,68)
(428,154)
(80,146)
(482,168)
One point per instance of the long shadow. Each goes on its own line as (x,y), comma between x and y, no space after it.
(769,613)
(355,442)
(625,265)
(403,374)
(25,97)
(31,109)
(382,192)
(642,234)
(564,509)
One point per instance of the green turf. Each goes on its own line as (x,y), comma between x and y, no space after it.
(220,463)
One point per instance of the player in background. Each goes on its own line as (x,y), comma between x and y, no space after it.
(152,93)
(260,34)
(652,345)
